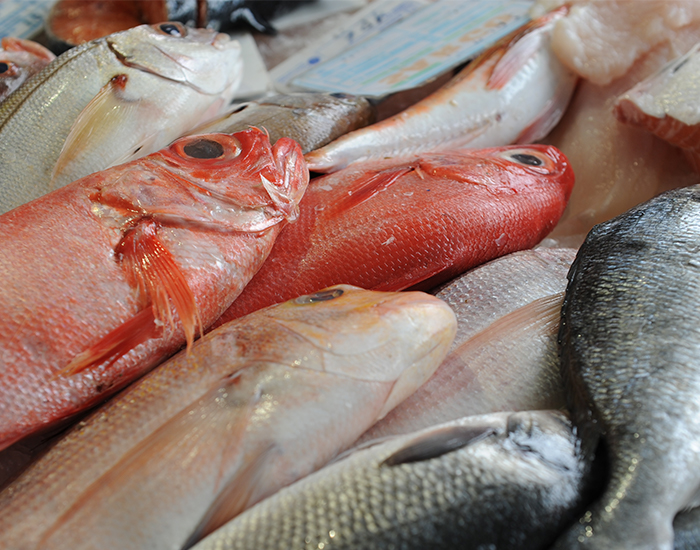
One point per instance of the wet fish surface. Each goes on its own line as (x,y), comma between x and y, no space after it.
(20,59)
(253,407)
(111,101)
(515,93)
(506,481)
(505,355)
(106,277)
(418,221)
(631,363)
(311,119)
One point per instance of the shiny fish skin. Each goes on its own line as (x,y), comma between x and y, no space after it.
(505,356)
(143,88)
(514,485)
(311,119)
(515,93)
(630,349)
(256,405)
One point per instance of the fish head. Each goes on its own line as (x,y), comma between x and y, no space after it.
(504,170)
(20,59)
(394,337)
(225,182)
(206,60)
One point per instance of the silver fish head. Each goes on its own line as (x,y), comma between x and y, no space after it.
(397,337)
(206,60)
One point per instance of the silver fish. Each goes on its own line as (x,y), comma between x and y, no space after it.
(630,349)
(506,481)
(109,101)
(255,405)
(311,119)
(504,357)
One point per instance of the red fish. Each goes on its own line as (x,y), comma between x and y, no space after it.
(394,224)
(104,278)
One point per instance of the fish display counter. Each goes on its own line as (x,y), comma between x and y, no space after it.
(338,274)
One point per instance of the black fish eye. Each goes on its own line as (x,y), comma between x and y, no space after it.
(171,29)
(4,67)
(204,149)
(321,296)
(530,160)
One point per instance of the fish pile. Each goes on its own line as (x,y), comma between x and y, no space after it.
(215,330)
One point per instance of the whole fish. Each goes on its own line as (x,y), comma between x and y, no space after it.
(515,93)
(423,220)
(630,351)
(256,405)
(20,59)
(311,119)
(506,481)
(666,104)
(505,356)
(110,101)
(105,277)
(73,22)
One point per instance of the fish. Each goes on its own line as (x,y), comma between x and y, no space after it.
(601,40)
(414,222)
(666,105)
(505,480)
(257,404)
(630,361)
(106,277)
(73,22)
(516,92)
(20,59)
(505,355)
(686,530)
(110,101)
(312,119)
(617,166)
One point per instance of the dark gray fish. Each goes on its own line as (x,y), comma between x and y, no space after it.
(506,481)
(686,529)
(630,347)
(311,119)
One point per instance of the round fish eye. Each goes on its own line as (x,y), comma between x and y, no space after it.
(172,29)
(321,296)
(204,149)
(529,160)
(4,67)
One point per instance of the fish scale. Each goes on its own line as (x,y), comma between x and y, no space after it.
(630,345)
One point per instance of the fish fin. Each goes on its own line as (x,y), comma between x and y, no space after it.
(548,118)
(254,19)
(367,186)
(158,276)
(115,344)
(516,55)
(107,109)
(438,442)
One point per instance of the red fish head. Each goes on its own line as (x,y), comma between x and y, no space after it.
(509,169)
(228,182)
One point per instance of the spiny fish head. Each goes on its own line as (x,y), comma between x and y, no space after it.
(397,337)
(203,59)
(508,169)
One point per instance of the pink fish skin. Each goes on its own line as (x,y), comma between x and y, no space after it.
(20,59)
(422,220)
(106,277)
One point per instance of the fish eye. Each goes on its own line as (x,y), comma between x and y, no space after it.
(320,296)
(529,160)
(173,29)
(4,67)
(204,149)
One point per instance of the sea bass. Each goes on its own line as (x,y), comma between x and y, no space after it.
(505,356)
(110,101)
(666,104)
(515,93)
(254,406)
(630,350)
(105,277)
(506,481)
(20,59)
(312,119)
(394,224)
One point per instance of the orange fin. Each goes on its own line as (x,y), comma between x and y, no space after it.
(118,342)
(368,186)
(158,277)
